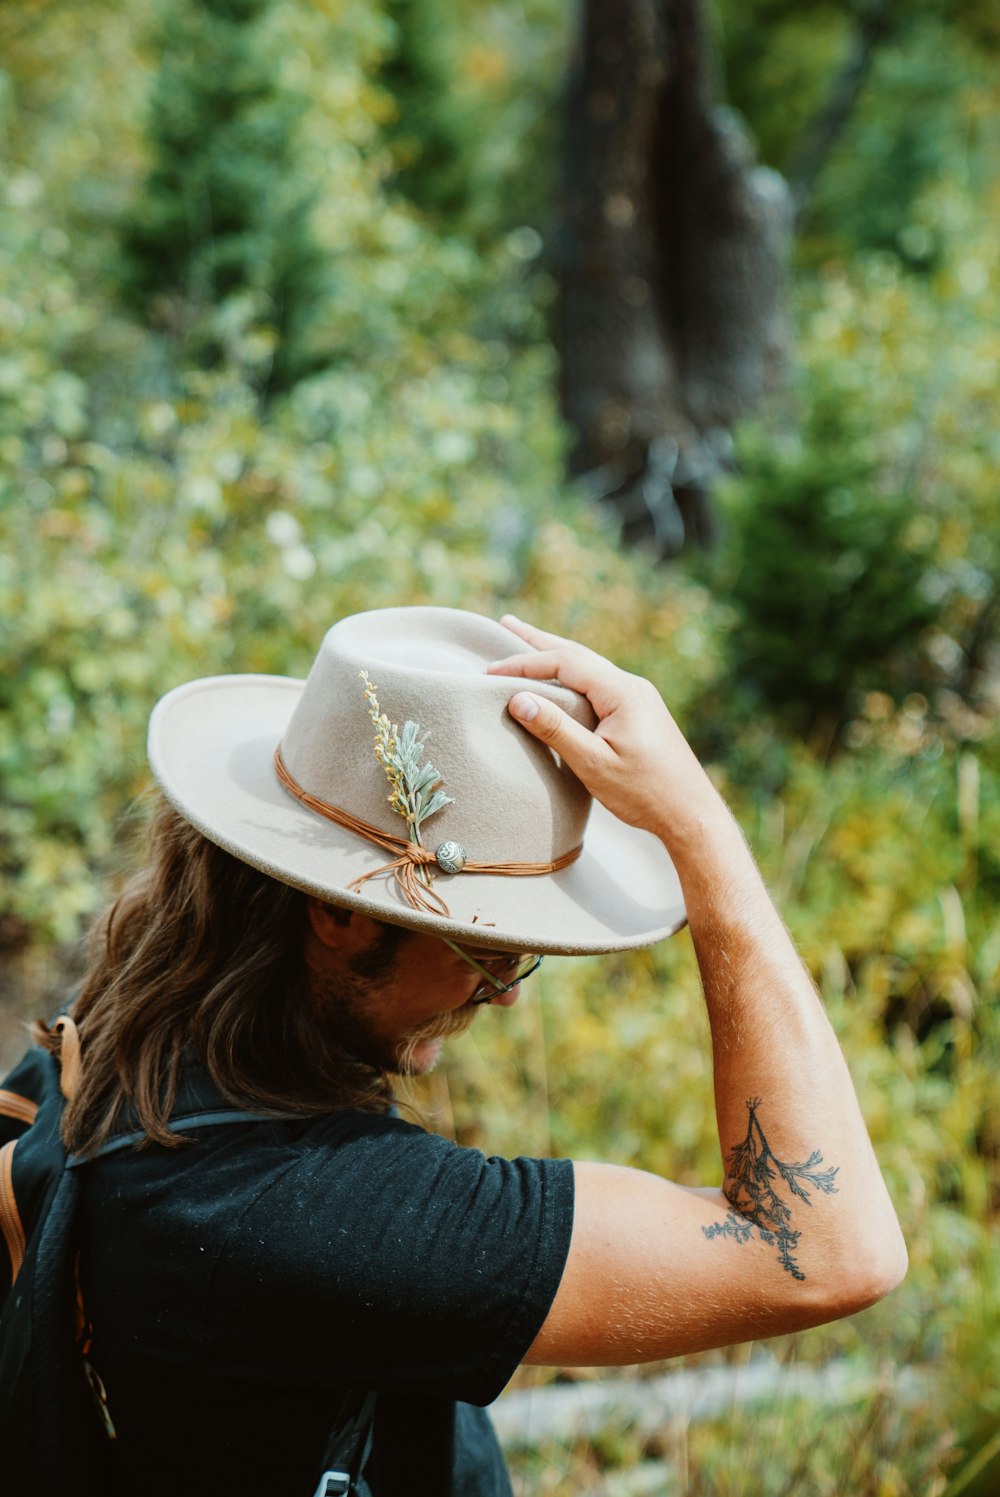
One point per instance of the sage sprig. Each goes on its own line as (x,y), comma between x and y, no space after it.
(415,791)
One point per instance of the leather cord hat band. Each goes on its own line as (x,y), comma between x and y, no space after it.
(413,865)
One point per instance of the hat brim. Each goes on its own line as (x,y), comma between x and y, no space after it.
(211,747)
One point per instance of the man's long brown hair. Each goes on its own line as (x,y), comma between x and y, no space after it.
(201,957)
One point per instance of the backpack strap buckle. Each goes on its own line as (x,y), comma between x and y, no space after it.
(334,1484)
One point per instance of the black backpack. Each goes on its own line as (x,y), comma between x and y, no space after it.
(54,1425)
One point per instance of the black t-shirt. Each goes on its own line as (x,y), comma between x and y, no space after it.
(239,1284)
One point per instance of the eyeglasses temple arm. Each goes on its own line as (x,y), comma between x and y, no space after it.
(473,963)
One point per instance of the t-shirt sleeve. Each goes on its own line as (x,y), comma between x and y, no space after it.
(389,1258)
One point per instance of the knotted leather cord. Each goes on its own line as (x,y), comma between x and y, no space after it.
(410,857)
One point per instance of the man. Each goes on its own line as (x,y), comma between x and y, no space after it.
(322,907)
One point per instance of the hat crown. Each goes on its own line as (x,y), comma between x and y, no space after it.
(513,800)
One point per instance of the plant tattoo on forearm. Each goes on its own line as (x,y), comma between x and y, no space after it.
(752,1175)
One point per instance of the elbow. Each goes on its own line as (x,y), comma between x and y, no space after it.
(894,1266)
(874,1270)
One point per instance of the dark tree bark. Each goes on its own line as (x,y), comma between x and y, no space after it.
(671,269)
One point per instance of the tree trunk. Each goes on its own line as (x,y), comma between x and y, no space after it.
(670,268)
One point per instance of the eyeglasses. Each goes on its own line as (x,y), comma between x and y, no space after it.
(512,965)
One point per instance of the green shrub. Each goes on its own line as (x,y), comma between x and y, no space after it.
(474,121)
(224,208)
(822,575)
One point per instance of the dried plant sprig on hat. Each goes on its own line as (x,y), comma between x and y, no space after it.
(415,791)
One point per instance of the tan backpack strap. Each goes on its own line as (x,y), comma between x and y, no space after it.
(69,1056)
(13,1105)
(10,1217)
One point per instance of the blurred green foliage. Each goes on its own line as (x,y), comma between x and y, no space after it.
(863,544)
(222,210)
(475,125)
(824,585)
(164,513)
(923,109)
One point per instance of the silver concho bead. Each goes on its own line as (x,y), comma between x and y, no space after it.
(451,857)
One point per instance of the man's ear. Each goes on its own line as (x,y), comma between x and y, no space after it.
(340,929)
(330,922)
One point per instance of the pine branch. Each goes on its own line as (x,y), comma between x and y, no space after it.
(753,1172)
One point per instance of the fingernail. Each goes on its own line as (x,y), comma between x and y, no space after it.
(512,617)
(524,707)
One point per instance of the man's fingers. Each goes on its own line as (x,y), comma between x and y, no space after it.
(576,746)
(572,665)
(535,664)
(537,637)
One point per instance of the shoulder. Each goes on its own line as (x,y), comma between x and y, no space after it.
(384,1165)
(370,1166)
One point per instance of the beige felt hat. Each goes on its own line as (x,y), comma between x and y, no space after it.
(312,818)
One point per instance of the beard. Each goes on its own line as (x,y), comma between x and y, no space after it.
(440,1028)
(401,1056)
(345,1005)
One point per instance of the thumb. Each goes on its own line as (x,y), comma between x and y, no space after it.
(574,743)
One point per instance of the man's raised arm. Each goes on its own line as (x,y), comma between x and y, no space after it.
(803,1230)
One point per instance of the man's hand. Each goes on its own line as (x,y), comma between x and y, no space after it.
(636,761)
